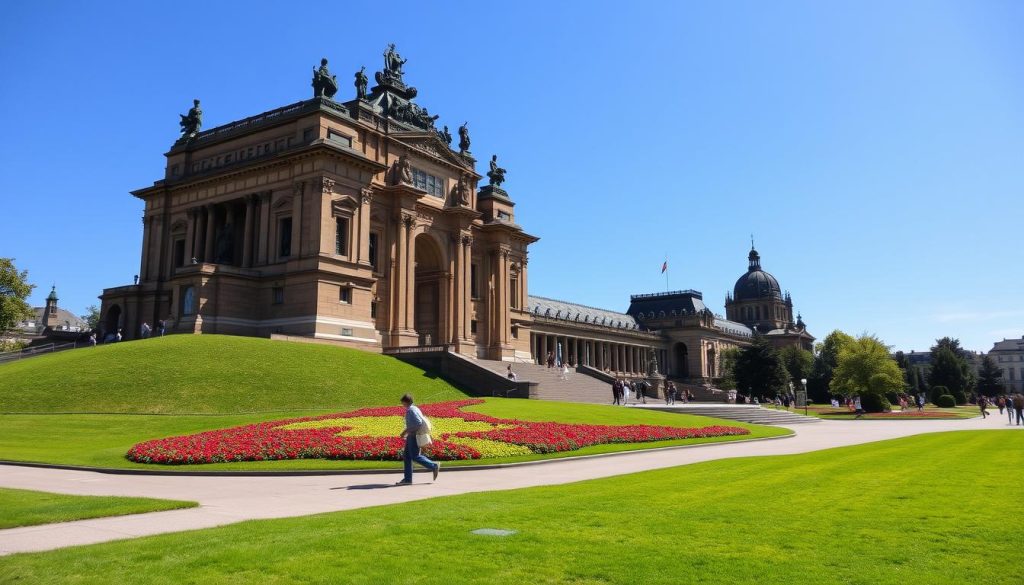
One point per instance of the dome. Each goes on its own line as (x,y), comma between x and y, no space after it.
(756,283)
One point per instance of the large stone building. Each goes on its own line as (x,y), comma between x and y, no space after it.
(1008,355)
(351,221)
(357,222)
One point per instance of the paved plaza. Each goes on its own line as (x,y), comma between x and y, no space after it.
(226,500)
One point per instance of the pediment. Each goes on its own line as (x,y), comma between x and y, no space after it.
(282,202)
(430,143)
(344,203)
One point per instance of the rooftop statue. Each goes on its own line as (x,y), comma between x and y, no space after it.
(361,82)
(445,135)
(191,122)
(496,174)
(324,84)
(393,62)
(464,137)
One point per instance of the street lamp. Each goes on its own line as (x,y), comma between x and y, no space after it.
(804,382)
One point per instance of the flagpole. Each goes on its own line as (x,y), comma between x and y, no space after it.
(666,272)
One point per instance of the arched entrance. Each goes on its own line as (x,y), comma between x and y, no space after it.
(681,363)
(113,321)
(428,309)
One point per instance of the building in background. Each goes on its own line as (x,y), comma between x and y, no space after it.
(1008,355)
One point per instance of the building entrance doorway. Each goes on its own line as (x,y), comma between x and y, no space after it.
(681,363)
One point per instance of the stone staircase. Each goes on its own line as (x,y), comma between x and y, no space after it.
(577,388)
(737,412)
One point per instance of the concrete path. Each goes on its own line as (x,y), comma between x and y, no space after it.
(226,500)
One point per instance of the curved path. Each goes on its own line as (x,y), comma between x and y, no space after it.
(225,500)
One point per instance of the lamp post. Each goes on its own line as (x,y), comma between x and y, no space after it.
(803,381)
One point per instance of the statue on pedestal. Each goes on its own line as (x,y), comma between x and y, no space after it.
(464,137)
(361,81)
(191,122)
(324,84)
(496,174)
(401,171)
(393,63)
(462,190)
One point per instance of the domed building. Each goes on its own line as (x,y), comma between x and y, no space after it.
(758,302)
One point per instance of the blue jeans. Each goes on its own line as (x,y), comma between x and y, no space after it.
(412,453)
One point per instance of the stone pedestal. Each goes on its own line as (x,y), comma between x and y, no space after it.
(657,382)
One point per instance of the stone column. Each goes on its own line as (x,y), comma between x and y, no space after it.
(211,224)
(544,349)
(190,234)
(146,247)
(299,189)
(410,273)
(247,235)
(365,198)
(263,245)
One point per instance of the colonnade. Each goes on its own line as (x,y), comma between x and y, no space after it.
(617,358)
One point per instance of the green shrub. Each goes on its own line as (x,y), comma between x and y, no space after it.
(872,402)
(892,397)
(959,396)
(945,401)
(937,391)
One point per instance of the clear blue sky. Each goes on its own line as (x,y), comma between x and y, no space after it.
(875,149)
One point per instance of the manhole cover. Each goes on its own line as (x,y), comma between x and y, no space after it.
(493,532)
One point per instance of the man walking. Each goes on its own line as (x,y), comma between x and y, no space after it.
(416,426)
(858,407)
(1018,407)
(1009,407)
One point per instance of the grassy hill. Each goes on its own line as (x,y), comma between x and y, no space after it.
(211,374)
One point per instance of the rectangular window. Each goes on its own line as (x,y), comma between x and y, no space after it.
(341,236)
(284,237)
(474,288)
(227,158)
(374,242)
(373,309)
(179,253)
(345,296)
(307,135)
(429,183)
(472,326)
(278,295)
(339,138)
(174,171)
(346,332)
(513,285)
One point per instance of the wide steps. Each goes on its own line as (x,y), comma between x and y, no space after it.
(550,386)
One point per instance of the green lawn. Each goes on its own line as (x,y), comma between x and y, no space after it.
(103,440)
(931,412)
(908,511)
(182,374)
(28,508)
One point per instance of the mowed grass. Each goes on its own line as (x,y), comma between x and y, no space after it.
(103,440)
(29,508)
(931,412)
(907,511)
(186,374)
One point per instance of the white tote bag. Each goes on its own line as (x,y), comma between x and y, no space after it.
(423,437)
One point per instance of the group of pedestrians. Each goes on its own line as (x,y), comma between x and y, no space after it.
(622,389)
(674,394)
(1013,404)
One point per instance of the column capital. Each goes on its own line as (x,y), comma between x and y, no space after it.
(326,185)
(298,188)
(366,195)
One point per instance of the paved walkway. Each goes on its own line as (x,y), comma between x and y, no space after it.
(226,500)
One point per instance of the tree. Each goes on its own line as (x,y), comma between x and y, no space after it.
(910,374)
(759,369)
(798,362)
(865,367)
(14,289)
(990,378)
(824,364)
(92,317)
(728,379)
(970,379)
(950,371)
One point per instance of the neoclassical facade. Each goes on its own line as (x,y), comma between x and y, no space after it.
(358,222)
(352,221)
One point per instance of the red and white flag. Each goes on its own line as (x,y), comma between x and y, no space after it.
(664,266)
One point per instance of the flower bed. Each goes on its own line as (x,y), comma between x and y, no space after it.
(371,434)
